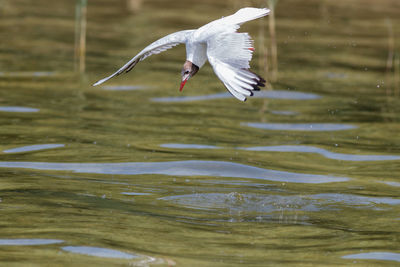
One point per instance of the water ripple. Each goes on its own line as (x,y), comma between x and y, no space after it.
(324,152)
(386,256)
(301,126)
(18,109)
(33,148)
(396,184)
(99,252)
(28,241)
(294,148)
(246,203)
(180,168)
(271,94)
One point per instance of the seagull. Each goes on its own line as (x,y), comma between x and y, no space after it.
(229,52)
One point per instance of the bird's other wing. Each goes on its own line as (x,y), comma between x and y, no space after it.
(230,23)
(156,47)
(229,54)
(243,15)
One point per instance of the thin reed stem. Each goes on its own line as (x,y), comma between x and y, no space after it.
(390,56)
(396,74)
(274,47)
(80,35)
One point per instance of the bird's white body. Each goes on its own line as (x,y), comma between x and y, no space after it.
(228,51)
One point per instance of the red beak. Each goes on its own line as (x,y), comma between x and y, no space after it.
(182,85)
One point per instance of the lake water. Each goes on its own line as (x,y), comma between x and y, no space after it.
(136,173)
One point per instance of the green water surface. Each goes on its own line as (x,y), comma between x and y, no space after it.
(136,173)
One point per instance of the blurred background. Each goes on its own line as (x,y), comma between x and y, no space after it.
(136,173)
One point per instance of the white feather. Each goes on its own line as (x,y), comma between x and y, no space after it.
(156,47)
(228,52)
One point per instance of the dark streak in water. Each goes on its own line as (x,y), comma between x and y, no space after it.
(135,194)
(180,168)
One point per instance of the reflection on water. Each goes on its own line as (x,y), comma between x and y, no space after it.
(239,203)
(28,74)
(385,256)
(180,168)
(99,252)
(284,112)
(393,184)
(301,126)
(334,75)
(28,242)
(294,148)
(324,152)
(272,94)
(357,201)
(33,148)
(282,94)
(18,109)
(111,190)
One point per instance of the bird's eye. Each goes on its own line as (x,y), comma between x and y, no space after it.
(187,72)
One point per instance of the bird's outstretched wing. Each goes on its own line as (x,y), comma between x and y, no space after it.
(156,47)
(230,23)
(244,14)
(229,54)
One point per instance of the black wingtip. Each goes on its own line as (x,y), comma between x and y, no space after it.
(131,66)
(260,80)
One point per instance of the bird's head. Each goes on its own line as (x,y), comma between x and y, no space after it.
(189,70)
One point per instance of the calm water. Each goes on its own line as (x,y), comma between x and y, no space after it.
(136,173)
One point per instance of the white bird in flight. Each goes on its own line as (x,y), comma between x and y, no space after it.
(228,52)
